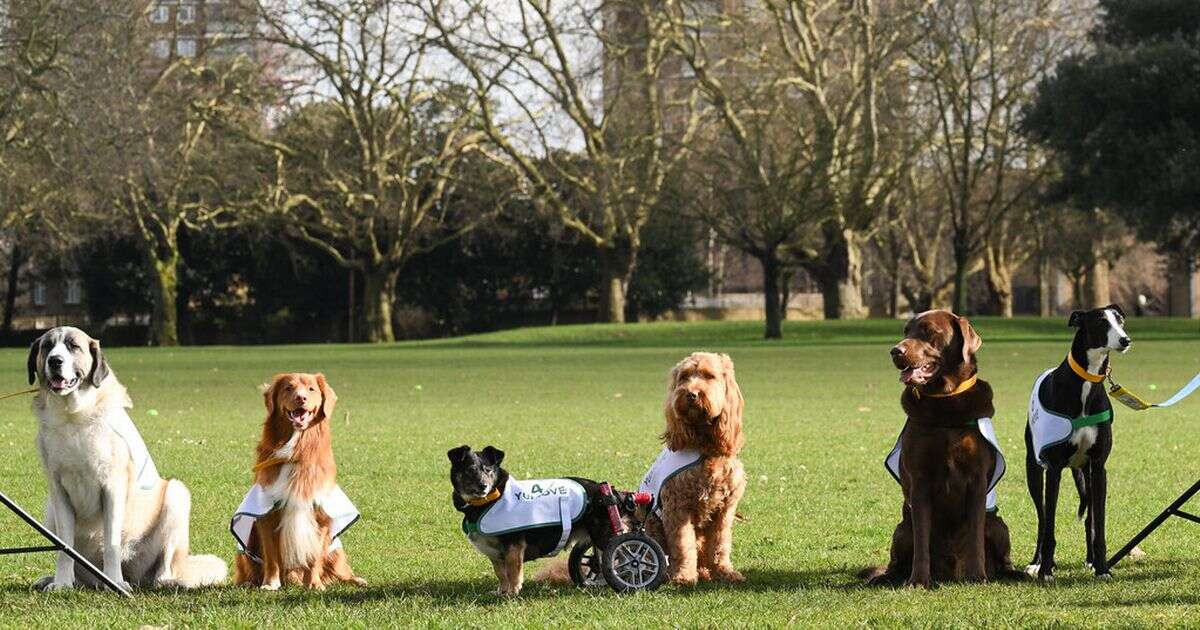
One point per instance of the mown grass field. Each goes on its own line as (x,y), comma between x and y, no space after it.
(822,411)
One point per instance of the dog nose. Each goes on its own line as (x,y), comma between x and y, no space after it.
(1125,341)
(896,351)
(55,361)
(692,396)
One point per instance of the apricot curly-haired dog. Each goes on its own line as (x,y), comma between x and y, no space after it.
(698,479)
(295,473)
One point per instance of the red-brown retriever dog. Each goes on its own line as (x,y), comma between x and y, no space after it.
(697,503)
(295,467)
(947,466)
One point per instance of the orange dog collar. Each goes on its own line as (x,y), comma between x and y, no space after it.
(490,498)
(962,387)
(1082,373)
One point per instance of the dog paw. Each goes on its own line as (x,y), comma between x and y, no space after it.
(728,574)
(1032,570)
(357,581)
(1104,577)
(58,586)
(1046,578)
(42,583)
(270,586)
(921,583)
(683,579)
(704,575)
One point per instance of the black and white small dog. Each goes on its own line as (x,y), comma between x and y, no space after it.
(1070,426)
(512,522)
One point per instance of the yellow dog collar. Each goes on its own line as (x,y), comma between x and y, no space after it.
(962,387)
(491,497)
(1082,373)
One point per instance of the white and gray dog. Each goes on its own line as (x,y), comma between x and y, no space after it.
(105,496)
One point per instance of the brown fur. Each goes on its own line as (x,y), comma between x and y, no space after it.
(946,532)
(313,471)
(703,412)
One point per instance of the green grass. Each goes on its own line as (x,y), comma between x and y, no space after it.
(822,411)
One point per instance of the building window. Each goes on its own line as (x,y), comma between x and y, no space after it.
(39,293)
(160,14)
(186,47)
(185,14)
(74,291)
(161,48)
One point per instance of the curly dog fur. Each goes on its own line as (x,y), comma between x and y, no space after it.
(704,413)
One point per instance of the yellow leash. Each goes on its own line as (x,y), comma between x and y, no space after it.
(31,390)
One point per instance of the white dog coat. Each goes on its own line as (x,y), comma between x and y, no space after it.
(145,473)
(1049,428)
(258,504)
(892,462)
(526,505)
(668,464)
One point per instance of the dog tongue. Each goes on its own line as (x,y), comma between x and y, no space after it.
(58,382)
(906,375)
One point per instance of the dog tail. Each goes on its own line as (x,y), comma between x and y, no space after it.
(556,572)
(197,571)
(1081,487)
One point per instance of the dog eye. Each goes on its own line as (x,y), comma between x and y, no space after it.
(312,389)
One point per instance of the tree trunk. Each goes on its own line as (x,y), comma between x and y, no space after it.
(379,291)
(771,272)
(999,281)
(10,294)
(785,293)
(841,275)
(164,318)
(1045,287)
(962,261)
(1096,293)
(614,274)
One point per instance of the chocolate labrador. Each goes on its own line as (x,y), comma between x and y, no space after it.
(946,461)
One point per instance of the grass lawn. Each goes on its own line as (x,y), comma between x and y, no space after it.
(822,411)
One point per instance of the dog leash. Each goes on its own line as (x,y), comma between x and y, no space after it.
(1136,403)
(31,390)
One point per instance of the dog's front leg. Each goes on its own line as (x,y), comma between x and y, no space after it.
(1098,494)
(501,569)
(514,561)
(114,522)
(1049,540)
(976,565)
(717,546)
(921,506)
(681,546)
(62,519)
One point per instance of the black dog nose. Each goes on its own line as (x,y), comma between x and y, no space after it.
(1125,341)
(692,396)
(55,361)
(896,351)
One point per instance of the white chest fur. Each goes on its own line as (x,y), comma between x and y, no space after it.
(84,455)
(1084,438)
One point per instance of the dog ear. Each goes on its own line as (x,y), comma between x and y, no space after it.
(31,363)
(1076,319)
(328,396)
(1117,307)
(492,455)
(729,425)
(269,394)
(456,455)
(99,364)
(970,339)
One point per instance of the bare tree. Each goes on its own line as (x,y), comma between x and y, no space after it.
(578,99)
(368,141)
(977,64)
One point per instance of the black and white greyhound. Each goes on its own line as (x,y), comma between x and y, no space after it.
(1070,426)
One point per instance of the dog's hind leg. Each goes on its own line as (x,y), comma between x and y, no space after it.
(1035,479)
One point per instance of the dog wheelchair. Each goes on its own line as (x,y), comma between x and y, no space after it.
(630,560)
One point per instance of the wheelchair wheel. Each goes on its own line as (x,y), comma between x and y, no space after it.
(634,562)
(584,566)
